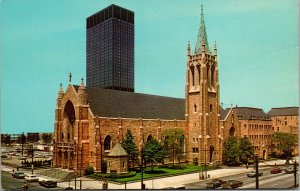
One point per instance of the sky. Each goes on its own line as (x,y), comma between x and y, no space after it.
(41,41)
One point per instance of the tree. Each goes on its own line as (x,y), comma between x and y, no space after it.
(247,149)
(232,151)
(130,147)
(5,138)
(47,137)
(153,152)
(33,137)
(22,139)
(285,143)
(174,143)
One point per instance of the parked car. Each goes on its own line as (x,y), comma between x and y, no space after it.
(18,174)
(215,183)
(289,170)
(253,173)
(48,183)
(275,170)
(22,158)
(31,178)
(4,156)
(232,184)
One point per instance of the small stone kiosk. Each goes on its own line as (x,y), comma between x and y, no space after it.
(117,160)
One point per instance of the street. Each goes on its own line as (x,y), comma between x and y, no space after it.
(10,183)
(266,181)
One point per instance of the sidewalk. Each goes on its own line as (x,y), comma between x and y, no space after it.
(173,181)
(160,183)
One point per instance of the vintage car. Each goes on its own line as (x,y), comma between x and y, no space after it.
(31,178)
(289,170)
(215,183)
(232,184)
(18,174)
(252,173)
(275,170)
(48,183)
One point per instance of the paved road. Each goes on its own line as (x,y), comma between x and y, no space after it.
(10,183)
(266,181)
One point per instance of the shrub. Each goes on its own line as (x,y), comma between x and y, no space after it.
(89,170)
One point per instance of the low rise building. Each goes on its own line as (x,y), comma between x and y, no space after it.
(285,119)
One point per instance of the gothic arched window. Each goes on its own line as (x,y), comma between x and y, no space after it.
(107,142)
(198,73)
(231,131)
(212,81)
(192,75)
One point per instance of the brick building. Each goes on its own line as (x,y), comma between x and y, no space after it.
(259,126)
(285,119)
(90,121)
(202,99)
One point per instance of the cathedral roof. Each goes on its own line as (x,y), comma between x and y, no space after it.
(118,150)
(223,113)
(284,111)
(114,103)
(245,113)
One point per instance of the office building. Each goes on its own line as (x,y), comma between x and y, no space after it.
(110,49)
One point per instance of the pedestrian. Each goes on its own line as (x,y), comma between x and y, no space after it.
(247,165)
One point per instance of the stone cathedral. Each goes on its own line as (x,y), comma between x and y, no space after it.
(90,122)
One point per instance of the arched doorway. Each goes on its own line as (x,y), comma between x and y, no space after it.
(211,151)
(68,122)
(231,132)
(149,138)
(264,154)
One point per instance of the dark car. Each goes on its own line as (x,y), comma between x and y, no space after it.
(215,183)
(232,184)
(18,174)
(48,183)
(289,170)
(275,171)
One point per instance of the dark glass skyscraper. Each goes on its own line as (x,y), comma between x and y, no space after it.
(110,49)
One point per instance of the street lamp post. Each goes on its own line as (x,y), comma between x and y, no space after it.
(205,161)
(199,157)
(142,165)
(256,172)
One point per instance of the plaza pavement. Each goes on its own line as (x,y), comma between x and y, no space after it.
(159,183)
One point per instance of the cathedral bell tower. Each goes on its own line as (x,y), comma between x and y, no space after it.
(202,100)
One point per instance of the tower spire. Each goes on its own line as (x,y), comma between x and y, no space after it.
(202,36)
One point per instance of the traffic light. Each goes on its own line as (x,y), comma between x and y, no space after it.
(104,185)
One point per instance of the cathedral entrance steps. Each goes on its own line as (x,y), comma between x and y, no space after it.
(57,173)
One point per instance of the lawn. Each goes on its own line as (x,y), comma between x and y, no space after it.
(158,172)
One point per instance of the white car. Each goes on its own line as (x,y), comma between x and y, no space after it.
(31,178)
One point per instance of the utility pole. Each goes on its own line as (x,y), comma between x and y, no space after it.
(205,162)
(256,172)
(142,165)
(31,150)
(142,169)
(295,174)
(80,166)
